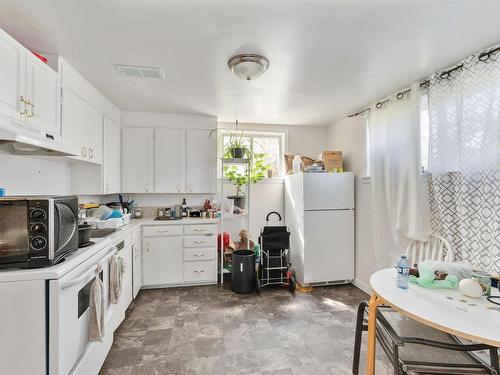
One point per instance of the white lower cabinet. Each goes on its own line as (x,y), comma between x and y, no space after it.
(124,251)
(162,260)
(136,262)
(173,255)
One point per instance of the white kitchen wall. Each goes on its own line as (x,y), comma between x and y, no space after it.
(171,120)
(303,140)
(349,136)
(167,200)
(27,175)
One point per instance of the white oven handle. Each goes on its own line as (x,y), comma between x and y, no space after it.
(86,274)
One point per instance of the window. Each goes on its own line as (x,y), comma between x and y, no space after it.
(424,136)
(424,133)
(270,145)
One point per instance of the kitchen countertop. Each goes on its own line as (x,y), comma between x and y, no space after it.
(83,254)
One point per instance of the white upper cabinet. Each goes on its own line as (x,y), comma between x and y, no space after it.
(112,155)
(201,162)
(170,161)
(137,160)
(43,93)
(93,134)
(82,127)
(166,160)
(29,89)
(73,121)
(12,76)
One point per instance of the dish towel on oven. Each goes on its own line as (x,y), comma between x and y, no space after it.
(96,306)
(115,278)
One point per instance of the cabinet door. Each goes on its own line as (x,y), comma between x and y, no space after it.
(43,91)
(93,133)
(137,160)
(12,76)
(73,119)
(126,295)
(162,260)
(112,153)
(201,162)
(136,266)
(170,161)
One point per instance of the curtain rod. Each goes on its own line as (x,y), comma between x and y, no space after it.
(483,57)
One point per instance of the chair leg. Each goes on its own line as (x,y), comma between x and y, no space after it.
(494,360)
(360,327)
(395,360)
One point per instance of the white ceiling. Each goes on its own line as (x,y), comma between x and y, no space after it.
(328,58)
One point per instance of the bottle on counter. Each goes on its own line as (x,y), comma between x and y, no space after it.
(184,207)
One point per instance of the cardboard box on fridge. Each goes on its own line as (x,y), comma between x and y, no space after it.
(332,161)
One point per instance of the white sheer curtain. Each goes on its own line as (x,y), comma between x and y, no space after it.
(464,160)
(398,204)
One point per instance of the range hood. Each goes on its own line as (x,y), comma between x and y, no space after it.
(21,139)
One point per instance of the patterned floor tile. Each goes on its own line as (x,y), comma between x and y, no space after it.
(211,330)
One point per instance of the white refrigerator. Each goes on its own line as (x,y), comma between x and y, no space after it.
(319,211)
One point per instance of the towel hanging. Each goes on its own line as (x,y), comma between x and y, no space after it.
(96,306)
(115,278)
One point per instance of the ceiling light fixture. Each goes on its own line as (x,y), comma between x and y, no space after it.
(248,66)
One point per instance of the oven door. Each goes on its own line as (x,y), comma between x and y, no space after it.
(14,232)
(65,226)
(69,313)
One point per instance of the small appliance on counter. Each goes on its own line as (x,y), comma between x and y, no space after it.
(84,235)
(37,231)
(194,213)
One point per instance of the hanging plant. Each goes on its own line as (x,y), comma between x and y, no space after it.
(237,147)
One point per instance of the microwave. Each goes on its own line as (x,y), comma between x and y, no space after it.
(37,231)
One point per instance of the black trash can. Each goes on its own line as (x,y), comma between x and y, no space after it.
(243,273)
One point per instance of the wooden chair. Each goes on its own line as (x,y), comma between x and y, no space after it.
(416,348)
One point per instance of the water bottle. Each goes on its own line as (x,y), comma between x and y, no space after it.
(403,272)
(297,164)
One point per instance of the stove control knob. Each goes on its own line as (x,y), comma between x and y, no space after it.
(38,243)
(38,214)
(38,228)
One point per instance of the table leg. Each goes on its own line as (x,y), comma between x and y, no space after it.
(372,326)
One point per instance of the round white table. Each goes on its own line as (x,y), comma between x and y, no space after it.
(448,310)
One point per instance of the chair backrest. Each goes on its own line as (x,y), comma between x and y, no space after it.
(435,248)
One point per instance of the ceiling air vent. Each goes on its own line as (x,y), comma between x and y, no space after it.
(140,71)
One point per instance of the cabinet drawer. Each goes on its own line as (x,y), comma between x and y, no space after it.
(199,241)
(162,230)
(199,271)
(199,254)
(200,229)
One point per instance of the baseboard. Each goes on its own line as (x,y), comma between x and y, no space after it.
(362,285)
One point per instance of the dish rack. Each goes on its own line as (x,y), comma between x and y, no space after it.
(113,223)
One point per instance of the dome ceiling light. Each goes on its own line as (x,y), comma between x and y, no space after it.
(248,66)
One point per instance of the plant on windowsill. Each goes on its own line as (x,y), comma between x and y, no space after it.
(258,171)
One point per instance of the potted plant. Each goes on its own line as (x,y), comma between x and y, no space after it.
(236,148)
(240,178)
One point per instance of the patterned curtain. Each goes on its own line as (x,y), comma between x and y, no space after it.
(464,159)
